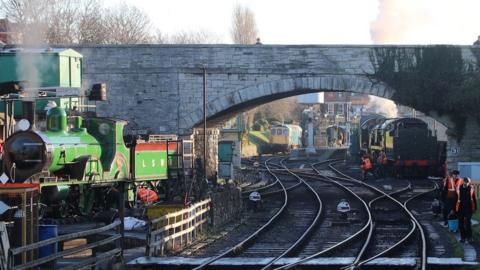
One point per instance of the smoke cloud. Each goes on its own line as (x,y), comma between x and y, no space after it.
(398,21)
(382,106)
(426,22)
(29,62)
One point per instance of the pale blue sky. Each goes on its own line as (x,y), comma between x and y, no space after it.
(324,21)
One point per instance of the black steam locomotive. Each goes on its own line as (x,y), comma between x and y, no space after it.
(410,147)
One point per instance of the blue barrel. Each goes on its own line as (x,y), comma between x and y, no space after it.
(453,225)
(47,232)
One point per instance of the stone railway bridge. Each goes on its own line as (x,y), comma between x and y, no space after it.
(158,88)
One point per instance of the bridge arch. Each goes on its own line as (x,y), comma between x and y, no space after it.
(243,99)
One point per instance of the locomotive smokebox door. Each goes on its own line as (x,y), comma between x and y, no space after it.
(98,92)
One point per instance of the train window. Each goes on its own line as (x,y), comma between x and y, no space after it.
(285,132)
(279,132)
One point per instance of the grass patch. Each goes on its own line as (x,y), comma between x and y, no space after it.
(476,228)
(457,247)
(260,139)
(259,136)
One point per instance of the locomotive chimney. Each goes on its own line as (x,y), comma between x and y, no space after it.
(28,109)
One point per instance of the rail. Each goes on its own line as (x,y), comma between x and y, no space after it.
(368,224)
(423,259)
(240,246)
(96,258)
(320,177)
(176,228)
(308,231)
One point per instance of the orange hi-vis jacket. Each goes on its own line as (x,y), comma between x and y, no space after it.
(449,183)
(366,164)
(458,183)
(147,195)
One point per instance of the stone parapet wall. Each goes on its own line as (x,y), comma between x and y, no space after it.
(467,149)
(227,205)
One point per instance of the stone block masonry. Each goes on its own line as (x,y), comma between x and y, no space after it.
(226,206)
(158,88)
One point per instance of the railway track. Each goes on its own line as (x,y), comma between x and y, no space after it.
(294,221)
(388,234)
(296,228)
(416,224)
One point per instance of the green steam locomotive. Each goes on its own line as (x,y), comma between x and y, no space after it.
(77,167)
(79,162)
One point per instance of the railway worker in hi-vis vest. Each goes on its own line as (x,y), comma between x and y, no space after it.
(466,206)
(449,194)
(366,166)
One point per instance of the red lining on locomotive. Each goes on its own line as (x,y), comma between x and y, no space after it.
(157,146)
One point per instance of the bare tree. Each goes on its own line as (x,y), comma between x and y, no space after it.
(91,27)
(244,28)
(76,21)
(160,37)
(62,22)
(127,25)
(198,37)
(88,22)
(30,18)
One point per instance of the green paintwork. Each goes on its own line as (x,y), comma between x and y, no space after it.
(56,120)
(150,165)
(68,146)
(42,68)
(101,141)
(115,155)
(225,151)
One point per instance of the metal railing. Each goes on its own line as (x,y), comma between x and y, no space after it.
(176,229)
(55,255)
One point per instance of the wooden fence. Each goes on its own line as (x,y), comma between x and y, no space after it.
(176,229)
(83,262)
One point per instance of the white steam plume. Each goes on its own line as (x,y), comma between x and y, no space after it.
(382,106)
(29,63)
(399,21)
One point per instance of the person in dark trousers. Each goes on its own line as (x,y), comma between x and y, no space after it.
(466,206)
(382,162)
(448,197)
